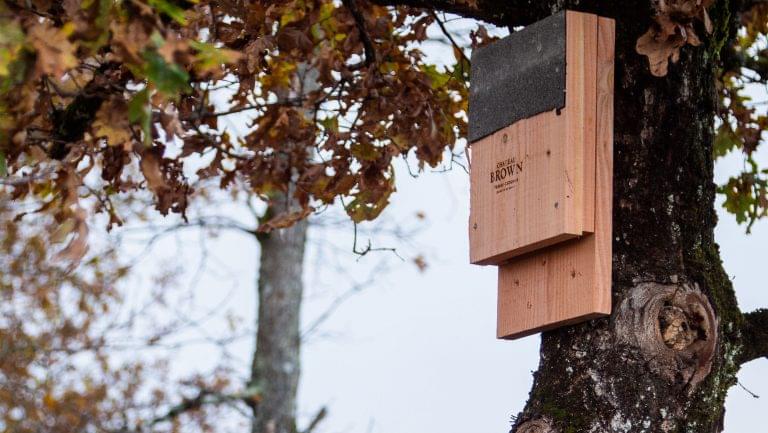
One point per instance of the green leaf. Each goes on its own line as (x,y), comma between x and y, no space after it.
(3,165)
(461,70)
(169,79)
(210,57)
(365,151)
(437,79)
(291,15)
(368,204)
(725,141)
(326,11)
(363,208)
(174,12)
(330,124)
(140,113)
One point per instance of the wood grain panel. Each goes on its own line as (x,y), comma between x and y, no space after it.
(532,183)
(571,281)
(585,89)
(521,198)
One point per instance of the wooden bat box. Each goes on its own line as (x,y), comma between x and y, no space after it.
(541,143)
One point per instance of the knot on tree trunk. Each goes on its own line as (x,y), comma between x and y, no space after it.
(540,425)
(673,326)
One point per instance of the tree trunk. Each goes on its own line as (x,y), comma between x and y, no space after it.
(276,362)
(277,358)
(666,357)
(664,360)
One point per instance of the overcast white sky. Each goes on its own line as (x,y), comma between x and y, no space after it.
(416,352)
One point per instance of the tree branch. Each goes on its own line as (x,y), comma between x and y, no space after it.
(449,36)
(747,5)
(206,397)
(754,334)
(316,420)
(370,52)
(23,180)
(506,12)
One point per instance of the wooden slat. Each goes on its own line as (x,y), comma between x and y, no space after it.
(579,35)
(587,48)
(571,281)
(604,175)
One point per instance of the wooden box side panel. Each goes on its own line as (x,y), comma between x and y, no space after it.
(604,160)
(581,100)
(569,282)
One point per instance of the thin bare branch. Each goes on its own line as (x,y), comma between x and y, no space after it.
(319,416)
(344,297)
(449,36)
(205,398)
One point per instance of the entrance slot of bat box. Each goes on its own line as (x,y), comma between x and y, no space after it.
(532,138)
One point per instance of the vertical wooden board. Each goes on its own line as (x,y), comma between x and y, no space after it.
(549,288)
(577,37)
(584,96)
(571,281)
(604,146)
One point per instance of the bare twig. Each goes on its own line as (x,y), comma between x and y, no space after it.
(449,36)
(319,416)
(369,247)
(748,391)
(207,397)
(17,181)
(341,299)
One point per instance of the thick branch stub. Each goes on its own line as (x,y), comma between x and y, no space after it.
(754,336)
(675,329)
(540,425)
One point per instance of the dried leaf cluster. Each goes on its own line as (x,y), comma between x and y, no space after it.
(673,28)
(102,98)
(75,355)
(742,117)
(51,327)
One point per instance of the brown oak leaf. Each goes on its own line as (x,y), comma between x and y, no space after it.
(672,29)
(112,122)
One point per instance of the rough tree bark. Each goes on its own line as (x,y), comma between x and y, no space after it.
(665,359)
(276,362)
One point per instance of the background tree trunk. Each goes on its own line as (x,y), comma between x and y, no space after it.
(277,357)
(276,362)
